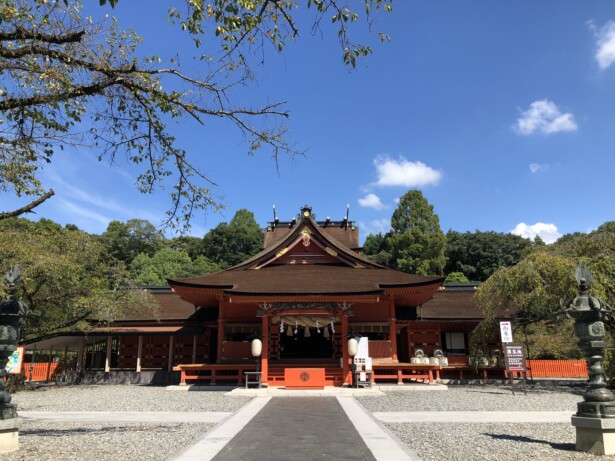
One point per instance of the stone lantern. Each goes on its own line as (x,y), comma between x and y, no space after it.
(12,312)
(595,417)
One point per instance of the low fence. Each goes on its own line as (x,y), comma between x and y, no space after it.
(557,368)
(40,371)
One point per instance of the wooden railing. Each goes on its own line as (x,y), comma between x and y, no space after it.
(558,368)
(40,371)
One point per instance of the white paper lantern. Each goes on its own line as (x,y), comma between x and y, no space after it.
(257,347)
(353,347)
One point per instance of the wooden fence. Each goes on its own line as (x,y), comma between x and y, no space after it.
(558,368)
(40,371)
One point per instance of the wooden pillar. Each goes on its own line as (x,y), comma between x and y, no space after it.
(108,355)
(194,340)
(220,331)
(49,362)
(393,330)
(170,364)
(139,353)
(65,357)
(345,356)
(265,354)
(80,354)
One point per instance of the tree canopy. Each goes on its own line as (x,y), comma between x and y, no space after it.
(416,242)
(533,289)
(479,254)
(125,240)
(231,243)
(67,276)
(66,79)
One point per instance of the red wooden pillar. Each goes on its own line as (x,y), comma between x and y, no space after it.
(393,329)
(265,353)
(345,356)
(220,331)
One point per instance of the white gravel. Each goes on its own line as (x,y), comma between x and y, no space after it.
(123,398)
(478,441)
(112,441)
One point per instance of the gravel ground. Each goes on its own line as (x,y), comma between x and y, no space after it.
(483,398)
(123,398)
(112,441)
(103,441)
(476,441)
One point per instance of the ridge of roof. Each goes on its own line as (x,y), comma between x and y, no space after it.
(306,221)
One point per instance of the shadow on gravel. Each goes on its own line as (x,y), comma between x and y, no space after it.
(84,430)
(521,438)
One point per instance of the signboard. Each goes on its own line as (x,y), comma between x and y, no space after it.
(515,358)
(14,364)
(363,349)
(506,332)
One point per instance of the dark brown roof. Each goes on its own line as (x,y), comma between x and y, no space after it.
(306,279)
(456,304)
(171,307)
(346,235)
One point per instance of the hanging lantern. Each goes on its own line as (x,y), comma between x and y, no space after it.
(306,332)
(289,331)
(353,347)
(257,347)
(325,333)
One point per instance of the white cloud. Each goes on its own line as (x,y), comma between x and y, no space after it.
(538,168)
(375,226)
(605,53)
(372,201)
(90,215)
(547,232)
(404,173)
(545,117)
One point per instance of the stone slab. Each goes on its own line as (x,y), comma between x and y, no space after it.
(595,435)
(9,435)
(473,416)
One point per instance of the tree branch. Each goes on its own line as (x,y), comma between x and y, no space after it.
(28,208)
(21,33)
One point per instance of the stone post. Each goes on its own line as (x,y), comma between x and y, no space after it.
(595,417)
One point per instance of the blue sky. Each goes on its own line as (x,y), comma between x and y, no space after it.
(502,113)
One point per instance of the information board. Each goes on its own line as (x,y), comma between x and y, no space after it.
(515,358)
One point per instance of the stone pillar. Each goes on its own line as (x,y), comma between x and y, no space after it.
(347,378)
(393,330)
(265,353)
(139,354)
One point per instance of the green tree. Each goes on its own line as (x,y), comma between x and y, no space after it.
(457,277)
(168,263)
(232,243)
(479,254)
(416,242)
(124,241)
(66,79)
(534,288)
(191,245)
(375,248)
(68,277)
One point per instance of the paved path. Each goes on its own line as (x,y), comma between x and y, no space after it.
(306,428)
(474,416)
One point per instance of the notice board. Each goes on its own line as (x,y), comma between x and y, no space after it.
(515,358)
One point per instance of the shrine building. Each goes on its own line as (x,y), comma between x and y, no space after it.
(304,295)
